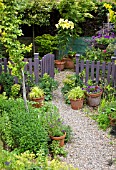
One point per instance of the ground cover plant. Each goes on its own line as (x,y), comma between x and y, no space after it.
(30,131)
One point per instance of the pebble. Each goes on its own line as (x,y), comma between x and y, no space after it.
(90,148)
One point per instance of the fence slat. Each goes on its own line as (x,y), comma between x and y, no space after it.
(36,69)
(87,71)
(82,67)
(77,66)
(109,72)
(97,71)
(103,70)
(51,66)
(92,70)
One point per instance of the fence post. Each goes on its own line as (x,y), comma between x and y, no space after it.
(113,58)
(36,55)
(77,63)
(36,67)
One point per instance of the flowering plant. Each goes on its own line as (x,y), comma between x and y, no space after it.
(93,89)
(65,30)
(104,40)
(112,14)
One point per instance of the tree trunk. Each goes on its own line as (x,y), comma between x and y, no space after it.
(24,92)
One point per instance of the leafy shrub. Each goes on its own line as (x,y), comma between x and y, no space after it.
(20,130)
(105,110)
(47,44)
(30,161)
(48,84)
(6,80)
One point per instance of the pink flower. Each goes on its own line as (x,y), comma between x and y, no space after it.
(104,51)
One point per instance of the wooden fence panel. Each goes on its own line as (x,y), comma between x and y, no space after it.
(97,71)
(47,65)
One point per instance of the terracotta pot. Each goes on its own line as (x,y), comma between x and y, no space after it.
(68,63)
(112,121)
(39,102)
(60,139)
(94,99)
(59,64)
(76,104)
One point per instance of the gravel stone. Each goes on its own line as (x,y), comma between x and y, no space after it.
(90,148)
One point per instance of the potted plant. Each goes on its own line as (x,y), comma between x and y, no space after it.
(69,63)
(93,95)
(76,97)
(37,95)
(65,31)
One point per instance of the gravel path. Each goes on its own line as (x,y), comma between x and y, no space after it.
(90,148)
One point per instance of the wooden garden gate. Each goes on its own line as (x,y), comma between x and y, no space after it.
(34,66)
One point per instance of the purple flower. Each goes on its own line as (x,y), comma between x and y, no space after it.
(7,163)
(106,36)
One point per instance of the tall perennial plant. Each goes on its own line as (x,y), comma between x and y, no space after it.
(65,31)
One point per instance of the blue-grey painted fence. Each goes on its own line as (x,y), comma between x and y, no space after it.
(97,71)
(93,70)
(36,66)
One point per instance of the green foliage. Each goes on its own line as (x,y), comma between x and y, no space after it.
(71,81)
(105,110)
(48,84)
(47,44)
(76,11)
(36,92)
(15,89)
(30,161)
(76,93)
(38,12)
(24,131)
(53,122)
(6,80)
(96,54)
(56,150)
(109,93)
(10,30)
(104,41)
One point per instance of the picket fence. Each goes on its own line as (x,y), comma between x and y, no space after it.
(95,71)
(34,66)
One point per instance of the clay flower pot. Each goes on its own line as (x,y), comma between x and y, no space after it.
(60,139)
(68,63)
(76,104)
(39,102)
(60,64)
(93,95)
(94,99)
